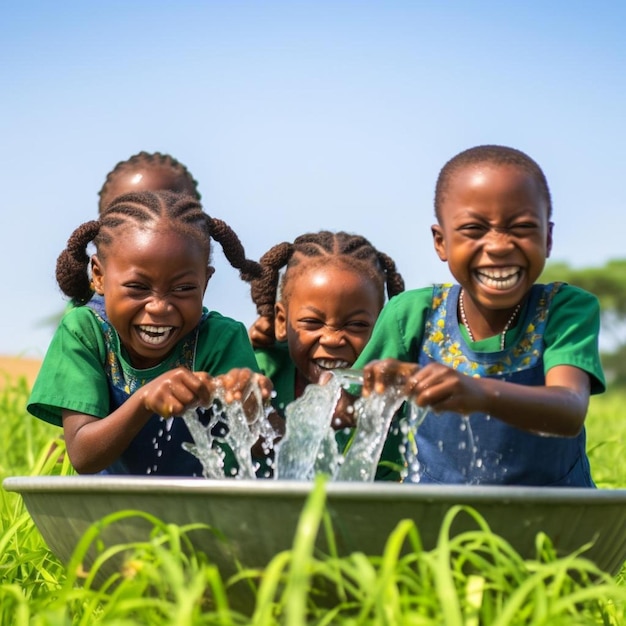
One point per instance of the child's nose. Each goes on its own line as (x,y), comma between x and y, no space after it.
(498,241)
(157,304)
(332,336)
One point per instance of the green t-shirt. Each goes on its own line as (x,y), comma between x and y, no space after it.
(570,337)
(73,374)
(276,364)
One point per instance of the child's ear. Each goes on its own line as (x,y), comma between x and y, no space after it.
(439,241)
(210,270)
(280,322)
(97,275)
(549,239)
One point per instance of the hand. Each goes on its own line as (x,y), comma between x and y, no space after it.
(261,332)
(176,391)
(380,375)
(445,389)
(238,384)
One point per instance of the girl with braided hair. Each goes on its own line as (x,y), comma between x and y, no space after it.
(145,171)
(120,366)
(320,314)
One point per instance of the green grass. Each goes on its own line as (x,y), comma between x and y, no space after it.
(606,439)
(468,579)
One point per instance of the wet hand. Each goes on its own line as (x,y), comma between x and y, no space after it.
(379,376)
(176,391)
(445,389)
(239,383)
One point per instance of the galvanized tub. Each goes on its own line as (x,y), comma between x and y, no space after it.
(258,519)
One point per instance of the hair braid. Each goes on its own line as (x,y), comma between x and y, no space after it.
(353,251)
(181,212)
(72,264)
(234,250)
(395,282)
(264,289)
(185,181)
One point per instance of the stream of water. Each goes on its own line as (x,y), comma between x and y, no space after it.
(309,446)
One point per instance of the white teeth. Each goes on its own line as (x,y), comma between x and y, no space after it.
(331,364)
(503,278)
(155,334)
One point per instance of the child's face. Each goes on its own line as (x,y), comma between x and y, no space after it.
(328,318)
(153,281)
(494,234)
(146,178)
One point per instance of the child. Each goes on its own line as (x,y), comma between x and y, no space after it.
(146,171)
(118,367)
(504,366)
(331,293)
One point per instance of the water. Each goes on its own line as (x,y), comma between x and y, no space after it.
(309,446)
(207,427)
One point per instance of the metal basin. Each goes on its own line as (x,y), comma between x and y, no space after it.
(259,518)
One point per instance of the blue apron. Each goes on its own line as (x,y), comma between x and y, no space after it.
(157,448)
(480,449)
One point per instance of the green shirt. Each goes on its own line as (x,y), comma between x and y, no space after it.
(276,364)
(73,375)
(570,338)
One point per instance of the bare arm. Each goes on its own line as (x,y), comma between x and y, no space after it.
(558,408)
(95,443)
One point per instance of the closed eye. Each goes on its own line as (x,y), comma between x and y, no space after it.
(136,288)
(309,323)
(358,326)
(523,229)
(473,230)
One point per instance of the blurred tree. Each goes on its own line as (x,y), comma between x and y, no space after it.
(608,283)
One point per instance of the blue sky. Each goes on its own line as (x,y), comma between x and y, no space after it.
(299,116)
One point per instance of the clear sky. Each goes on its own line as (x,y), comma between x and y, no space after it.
(300,116)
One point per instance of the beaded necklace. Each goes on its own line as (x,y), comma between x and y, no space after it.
(504,330)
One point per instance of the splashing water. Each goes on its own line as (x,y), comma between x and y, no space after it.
(415,416)
(240,435)
(309,446)
(373,418)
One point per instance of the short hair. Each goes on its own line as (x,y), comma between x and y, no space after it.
(496,155)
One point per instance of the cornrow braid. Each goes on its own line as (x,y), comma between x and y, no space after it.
(353,251)
(186,182)
(234,250)
(181,212)
(264,290)
(72,264)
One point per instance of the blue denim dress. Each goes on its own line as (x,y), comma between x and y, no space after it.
(480,449)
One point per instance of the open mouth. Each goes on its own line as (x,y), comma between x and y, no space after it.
(501,278)
(155,335)
(331,364)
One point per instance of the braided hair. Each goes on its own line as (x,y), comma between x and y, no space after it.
(180,178)
(352,251)
(495,155)
(181,212)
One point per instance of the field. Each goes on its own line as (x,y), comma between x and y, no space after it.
(474,578)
